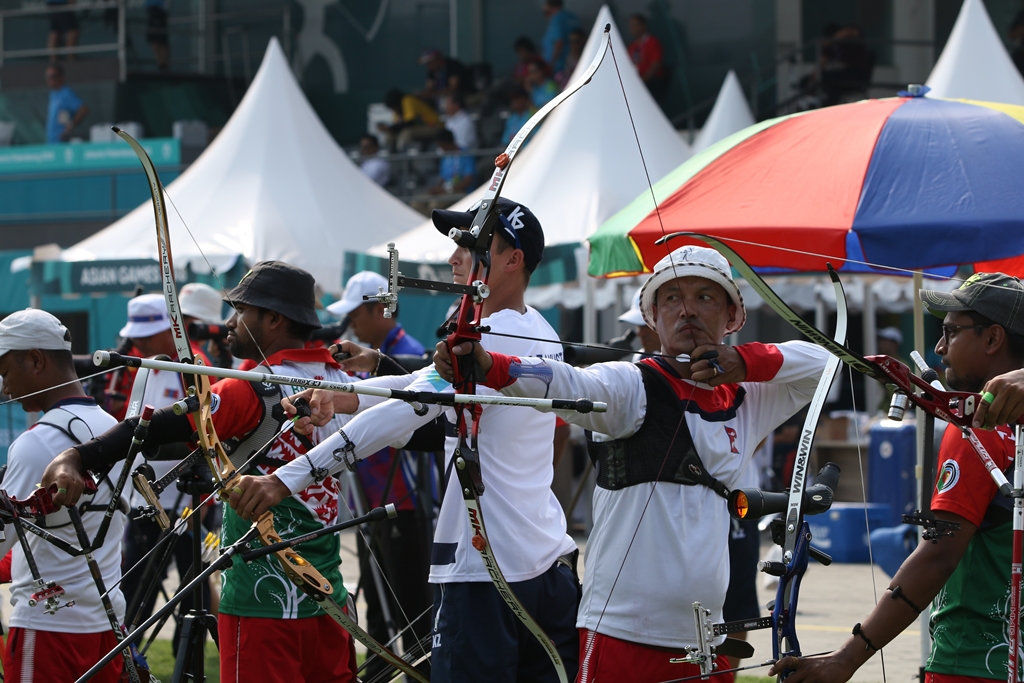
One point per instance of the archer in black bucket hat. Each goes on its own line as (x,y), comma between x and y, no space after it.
(279,287)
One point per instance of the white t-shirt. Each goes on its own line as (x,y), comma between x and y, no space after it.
(463,129)
(27,459)
(669,548)
(163,389)
(378,169)
(524,521)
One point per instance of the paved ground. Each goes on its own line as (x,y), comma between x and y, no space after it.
(832,600)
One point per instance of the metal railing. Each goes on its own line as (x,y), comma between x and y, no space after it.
(198,25)
(119,46)
(412,172)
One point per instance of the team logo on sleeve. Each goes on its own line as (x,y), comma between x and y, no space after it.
(949,475)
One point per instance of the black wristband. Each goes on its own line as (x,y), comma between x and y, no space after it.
(858,631)
(897,592)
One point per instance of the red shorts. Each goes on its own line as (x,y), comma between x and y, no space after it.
(45,656)
(930,677)
(313,650)
(603,658)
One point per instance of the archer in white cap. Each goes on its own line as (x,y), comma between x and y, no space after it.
(653,500)
(38,371)
(366,318)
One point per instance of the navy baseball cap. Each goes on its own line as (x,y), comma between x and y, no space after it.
(516,224)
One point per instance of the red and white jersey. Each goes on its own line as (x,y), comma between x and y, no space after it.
(27,459)
(679,554)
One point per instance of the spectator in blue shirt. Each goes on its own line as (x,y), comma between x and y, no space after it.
(66,109)
(457,170)
(63,28)
(555,43)
(522,110)
(540,84)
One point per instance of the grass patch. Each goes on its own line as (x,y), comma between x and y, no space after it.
(161,661)
(755,679)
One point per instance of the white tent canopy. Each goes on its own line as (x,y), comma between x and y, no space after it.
(583,165)
(730,114)
(274,185)
(974,64)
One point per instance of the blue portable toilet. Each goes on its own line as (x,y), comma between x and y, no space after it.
(892,459)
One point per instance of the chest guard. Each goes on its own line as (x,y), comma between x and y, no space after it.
(641,458)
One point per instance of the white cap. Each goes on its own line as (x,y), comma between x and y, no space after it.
(33,329)
(359,285)
(202,302)
(891,333)
(696,262)
(633,316)
(147,315)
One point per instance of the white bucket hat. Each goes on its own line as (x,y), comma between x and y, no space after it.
(697,262)
(202,302)
(33,329)
(634,316)
(361,284)
(147,315)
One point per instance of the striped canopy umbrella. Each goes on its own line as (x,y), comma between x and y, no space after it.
(908,182)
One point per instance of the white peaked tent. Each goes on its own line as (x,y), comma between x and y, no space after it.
(583,165)
(273,185)
(730,114)
(974,65)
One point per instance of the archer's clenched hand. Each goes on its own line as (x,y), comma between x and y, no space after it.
(64,473)
(252,496)
(443,359)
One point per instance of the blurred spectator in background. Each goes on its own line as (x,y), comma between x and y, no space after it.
(372,165)
(414,120)
(647,56)
(63,28)
(457,170)
(889,340)
(1017,41)
(66,109)
(445,76)
(846,63)
(538,82)
(156,32)
(522,110)
(555,43)
(202,312)
(526,51)
(650,342)
(577,41)
(460,123)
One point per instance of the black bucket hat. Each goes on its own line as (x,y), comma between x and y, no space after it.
(279,287)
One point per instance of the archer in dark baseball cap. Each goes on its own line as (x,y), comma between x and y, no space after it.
(280,287)
(516,224)
(998,297)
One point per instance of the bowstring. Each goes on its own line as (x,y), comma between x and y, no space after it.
(409,625)
(213,271)
(57,386)
(864,497)
(690,395)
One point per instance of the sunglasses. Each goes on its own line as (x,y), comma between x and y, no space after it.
(949,330)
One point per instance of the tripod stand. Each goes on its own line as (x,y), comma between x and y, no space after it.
(197,622)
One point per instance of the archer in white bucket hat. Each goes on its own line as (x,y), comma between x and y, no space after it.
(692,261)
(147,315)
(202,302)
